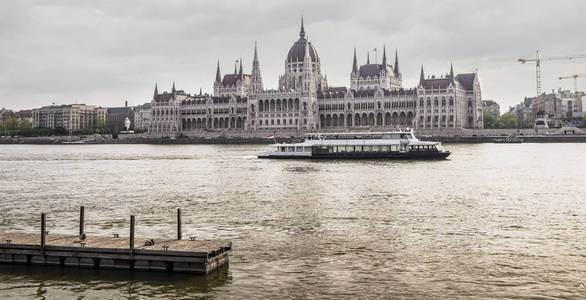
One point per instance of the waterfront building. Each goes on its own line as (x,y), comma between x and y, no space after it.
(571,102)
(116,116)
(491,107)
(72,117)
(142,117)
(304,102)
(24,115)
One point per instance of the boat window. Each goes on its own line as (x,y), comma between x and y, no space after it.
(395,136)
(299,149)
(341,148)
(394,148)
(375,148)
(366,149)
(384,148)
(349,148)
(357,148)
(386,136)
(283,149)
(291,149)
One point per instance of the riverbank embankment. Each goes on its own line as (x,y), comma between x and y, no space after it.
(74,140)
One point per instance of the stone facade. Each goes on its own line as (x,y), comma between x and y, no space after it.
(571,102)
(71,117)
(142,117)
(303,101)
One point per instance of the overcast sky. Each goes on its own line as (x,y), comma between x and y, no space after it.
(106,52)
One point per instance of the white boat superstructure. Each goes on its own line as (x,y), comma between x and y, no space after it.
(396,144)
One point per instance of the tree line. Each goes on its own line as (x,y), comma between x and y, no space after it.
(16,127)
(504,121)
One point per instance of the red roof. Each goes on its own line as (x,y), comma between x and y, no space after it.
(372,70)
(466,80)
(297,51)
(436,83)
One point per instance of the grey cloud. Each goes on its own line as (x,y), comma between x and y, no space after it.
(105,52)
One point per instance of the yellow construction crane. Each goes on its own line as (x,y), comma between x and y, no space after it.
(537,61)
(575,76)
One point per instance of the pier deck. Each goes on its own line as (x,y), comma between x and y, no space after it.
(191,256)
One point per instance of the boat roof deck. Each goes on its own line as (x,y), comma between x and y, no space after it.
(354,142)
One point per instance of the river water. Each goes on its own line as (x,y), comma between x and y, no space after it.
(495,220)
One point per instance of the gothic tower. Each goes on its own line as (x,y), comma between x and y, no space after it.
(256,78)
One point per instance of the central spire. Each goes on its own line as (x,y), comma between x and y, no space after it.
(302,31)
(355,63)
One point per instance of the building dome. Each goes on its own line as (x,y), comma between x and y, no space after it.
(297,51)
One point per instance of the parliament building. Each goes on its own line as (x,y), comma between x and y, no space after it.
(304,102)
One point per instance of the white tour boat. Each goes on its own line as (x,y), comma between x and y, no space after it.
(388,145)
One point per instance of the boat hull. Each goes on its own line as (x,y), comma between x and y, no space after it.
(357,155)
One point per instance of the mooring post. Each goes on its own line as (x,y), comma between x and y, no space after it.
(131,235)
(81,220)
(179,223)
(43,231)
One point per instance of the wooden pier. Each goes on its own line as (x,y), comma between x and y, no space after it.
(115,252)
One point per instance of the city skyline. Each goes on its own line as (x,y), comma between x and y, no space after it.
(110,52)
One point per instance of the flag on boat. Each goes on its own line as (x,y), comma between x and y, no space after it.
(270,136)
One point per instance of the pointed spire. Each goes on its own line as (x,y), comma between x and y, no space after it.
(368,58)
(302,31)
(422,76)
(397,63)
(235,64)
(355,63)
(255,54)
(240,72)
(218,74)
(156,91)
(452,73)
(200,92)
(173,90)
(256,78)
(384,63)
